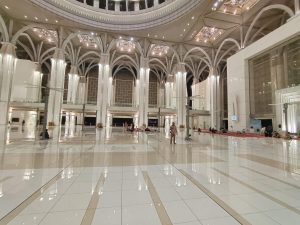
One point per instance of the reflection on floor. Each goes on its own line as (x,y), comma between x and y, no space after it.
(109,177)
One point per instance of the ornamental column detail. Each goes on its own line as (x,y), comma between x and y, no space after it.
(181,94)
(103,89)
(8,61)
(143,87)
(56,87)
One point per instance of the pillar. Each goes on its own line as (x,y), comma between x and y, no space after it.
(81,93)
(7,69)
(117,6)
(136,6)
(103,89)
(214,96)
(181,94)
(297,6)
(156,3)
(143,85)
(56,85)
(73,81)
(96,4)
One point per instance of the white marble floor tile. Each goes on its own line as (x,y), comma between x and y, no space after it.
(140,214)
(107,216)
(179,212)
(63,218)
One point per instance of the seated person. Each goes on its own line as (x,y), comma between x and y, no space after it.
(46,134)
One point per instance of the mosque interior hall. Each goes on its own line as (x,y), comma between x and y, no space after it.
(149,112)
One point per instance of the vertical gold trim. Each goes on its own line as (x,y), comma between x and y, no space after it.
(234,214)
(273,178)
(16,211)
(160,209)
(91,209)
(283,204)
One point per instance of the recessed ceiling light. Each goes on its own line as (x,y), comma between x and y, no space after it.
(193,17)
(148,35)
(36,18)
(163,37)
(46,20)
(6,7)
(131,39)
(56,21)
(188,24)
(25,17)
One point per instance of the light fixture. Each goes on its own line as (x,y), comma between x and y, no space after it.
(36,18)
(6,7)
(48,35)
(87,39)
(125,46)
(236,7)
(25,17)
(159,50)
(208,34)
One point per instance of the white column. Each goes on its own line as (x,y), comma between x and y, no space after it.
(73,80)
(136,6)
(96,4)
(56,84)
(181,95)
(117,6)
(81,91)
(169,90)
(155,2)
(7,69)
(297,6)
(143,99)
(214,93)
(103,89)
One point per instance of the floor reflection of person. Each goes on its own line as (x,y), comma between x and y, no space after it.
(173,132)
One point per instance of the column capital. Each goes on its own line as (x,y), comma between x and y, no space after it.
(104,59)
(73,70)
(59,53)
(144,63)
(8,48)
(213,71)
(180,67)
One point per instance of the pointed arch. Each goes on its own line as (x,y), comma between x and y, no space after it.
(288,10)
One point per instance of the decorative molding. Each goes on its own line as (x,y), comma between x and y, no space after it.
(111,20)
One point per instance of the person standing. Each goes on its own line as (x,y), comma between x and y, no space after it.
(173,132)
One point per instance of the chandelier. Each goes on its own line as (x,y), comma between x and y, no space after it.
(236,7)
(159,50)
(208,34)
(87,39)
(125,46)
(48,35)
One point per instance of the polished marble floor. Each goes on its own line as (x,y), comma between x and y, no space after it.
(110,177)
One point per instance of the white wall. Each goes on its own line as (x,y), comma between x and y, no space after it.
(23,81)
(238,71)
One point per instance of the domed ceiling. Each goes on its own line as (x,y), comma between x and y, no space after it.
(120,14)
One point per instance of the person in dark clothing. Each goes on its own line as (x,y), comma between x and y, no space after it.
(269,131)
(46,134)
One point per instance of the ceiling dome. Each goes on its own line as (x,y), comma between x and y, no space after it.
(119,14)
